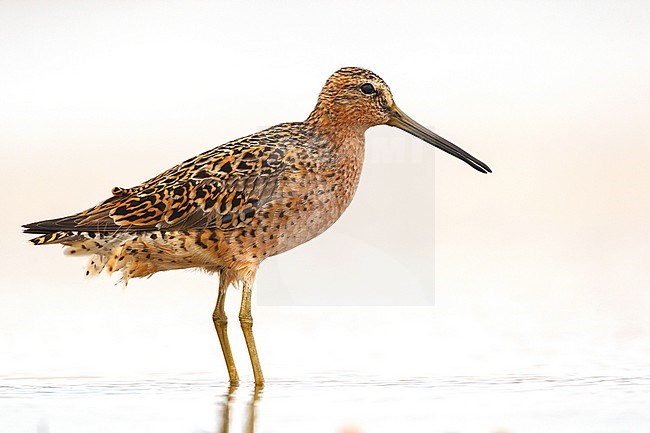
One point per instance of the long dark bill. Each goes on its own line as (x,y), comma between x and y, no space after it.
(405,123)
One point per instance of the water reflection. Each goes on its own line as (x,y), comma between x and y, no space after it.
(227,402)
(334,403)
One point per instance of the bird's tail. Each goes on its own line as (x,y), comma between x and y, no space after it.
(136,255)
(56,238)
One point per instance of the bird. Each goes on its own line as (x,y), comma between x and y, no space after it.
(230,208)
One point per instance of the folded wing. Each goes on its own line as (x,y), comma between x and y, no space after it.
(223,188)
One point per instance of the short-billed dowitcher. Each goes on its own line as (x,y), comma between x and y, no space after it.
(228,209)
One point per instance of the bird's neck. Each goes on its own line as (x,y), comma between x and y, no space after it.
(336,126)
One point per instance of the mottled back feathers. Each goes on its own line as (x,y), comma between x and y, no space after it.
(222,188)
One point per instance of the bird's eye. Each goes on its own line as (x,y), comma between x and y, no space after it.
(368,89)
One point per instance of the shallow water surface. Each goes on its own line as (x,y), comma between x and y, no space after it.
(201,403)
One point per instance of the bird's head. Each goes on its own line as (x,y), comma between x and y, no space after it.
(357,99)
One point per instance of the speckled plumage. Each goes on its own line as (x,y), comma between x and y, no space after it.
(231,206)
(228,209)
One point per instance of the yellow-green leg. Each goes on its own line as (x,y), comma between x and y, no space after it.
(221,325)
(246,321)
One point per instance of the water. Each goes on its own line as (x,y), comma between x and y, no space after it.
(148,361)
(343,403)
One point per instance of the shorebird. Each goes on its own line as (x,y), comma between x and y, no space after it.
(230,208)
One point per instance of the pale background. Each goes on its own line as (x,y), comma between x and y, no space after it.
(540,267)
